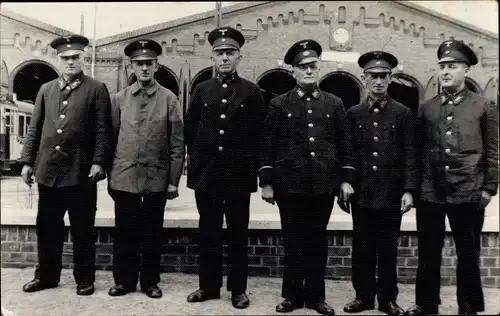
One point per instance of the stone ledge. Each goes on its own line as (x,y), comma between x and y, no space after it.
(339,221)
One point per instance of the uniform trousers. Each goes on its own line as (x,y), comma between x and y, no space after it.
(465,222)
(374,253)
(212,206)
(304,219)
(137,237)
(81,203)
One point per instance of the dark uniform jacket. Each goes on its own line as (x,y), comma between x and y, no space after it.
(69,131)
(383,134)
(148,139)
(459,143)
(222,132)
(306,145)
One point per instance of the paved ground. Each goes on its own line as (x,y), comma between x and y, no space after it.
(264,294)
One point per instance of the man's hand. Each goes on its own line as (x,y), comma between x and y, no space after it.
(27,175)
(346,191)
(268,194)
(172,192)
(97,173)
(485,199)
(406,202)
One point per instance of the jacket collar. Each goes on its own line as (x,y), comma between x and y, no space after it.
(73,84)
(226,79)
(301,93)
(377,102)
(456,98)
(151,89)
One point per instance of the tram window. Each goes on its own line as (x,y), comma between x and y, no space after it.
(7,117)
(20,127)
(27,125)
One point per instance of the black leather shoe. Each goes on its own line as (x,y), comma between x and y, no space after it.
(202,295)
(358,306)
(467,309)
(85,288)
(417,310)
(240,300)
(322,308)
(287,306)
(152,291)
(391,308)
(120,290)
(36,285)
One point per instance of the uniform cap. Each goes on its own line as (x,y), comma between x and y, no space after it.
(303,52)
(69,45)
(456,51)
(143,49)
(377,61)
(226,38)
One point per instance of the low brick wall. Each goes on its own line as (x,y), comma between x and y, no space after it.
(265,249)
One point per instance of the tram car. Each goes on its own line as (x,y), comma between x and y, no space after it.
(15,120)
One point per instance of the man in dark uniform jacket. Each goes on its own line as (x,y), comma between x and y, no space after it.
(387,173)
(68,147)
(458,132)
(306,157)
(222,129)
(148,155)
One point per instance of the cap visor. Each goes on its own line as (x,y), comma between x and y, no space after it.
(308,60)
(451,60)
(71,52)
(378,70)
(225,46)
(143,58)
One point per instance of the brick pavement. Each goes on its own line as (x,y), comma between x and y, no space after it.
(264,293)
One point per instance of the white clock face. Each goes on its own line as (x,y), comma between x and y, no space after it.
(341,35)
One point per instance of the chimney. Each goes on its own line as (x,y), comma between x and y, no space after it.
(82,29)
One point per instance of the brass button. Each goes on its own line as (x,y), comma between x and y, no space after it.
(221,132)
(224,85)
(224,101)
(65,102)
(68,88)
(221,148)
(310,125)
(447,150)
(313,154)
(58,147)
(62,116)
(450,102)
(449,118)
(289,114)
(311,139)
(375,124)
(328,115)
(375,138)
(374,168)
(205,105)
(308,99)
(223,116)
(447,167)
(376,110)
(309,111)
(375,154)
(242,105)
(59,131)
(448,133)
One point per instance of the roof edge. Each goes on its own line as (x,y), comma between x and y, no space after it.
(34,22)
(179,22)
(447,18)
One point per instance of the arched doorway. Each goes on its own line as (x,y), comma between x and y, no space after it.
(406,90)
(275,82)
(491,89)
(165,77)
(473,86)
(28,77)
(344,85)
(204,75)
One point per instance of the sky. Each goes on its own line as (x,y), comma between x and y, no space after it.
(114,18)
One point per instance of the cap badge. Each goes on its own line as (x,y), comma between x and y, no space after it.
(69,45)
(447,52)
(306,53)
(223,31)
(223,40)
(143,43)
(378,62)
(304,44)
(144,51)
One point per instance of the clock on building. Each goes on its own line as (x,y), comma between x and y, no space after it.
(341,35)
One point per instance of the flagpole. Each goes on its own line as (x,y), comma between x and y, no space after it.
(94,41)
